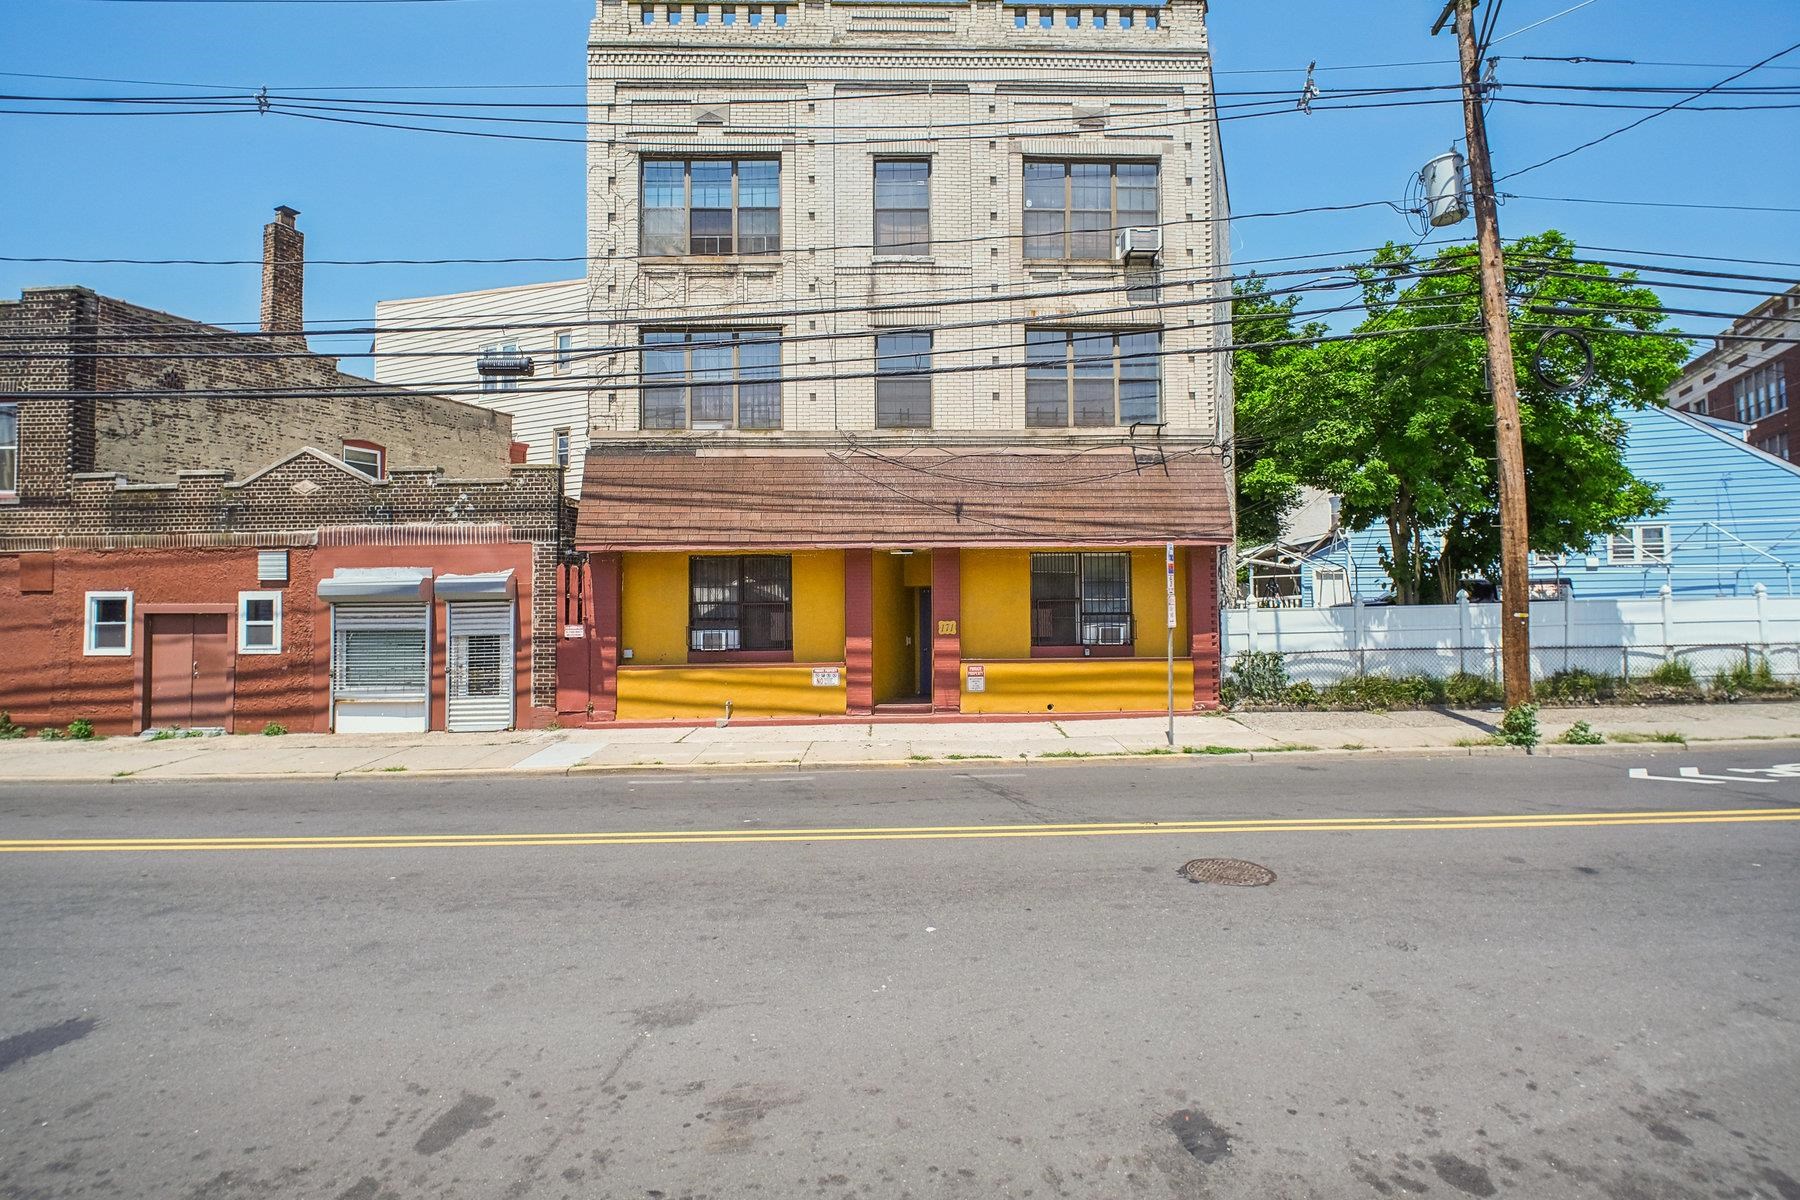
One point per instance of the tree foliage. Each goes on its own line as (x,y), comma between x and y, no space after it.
(1401,426)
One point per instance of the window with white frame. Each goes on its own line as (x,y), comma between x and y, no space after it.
(499,353)
(366,457)
(1639,544)
(108,623)
(565,349)
(9,449)
(259,623)
(1760,393)
(562,447)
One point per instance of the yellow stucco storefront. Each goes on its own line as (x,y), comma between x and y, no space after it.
(996,638)
(657,680)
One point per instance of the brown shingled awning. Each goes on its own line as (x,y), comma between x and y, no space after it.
(736,500)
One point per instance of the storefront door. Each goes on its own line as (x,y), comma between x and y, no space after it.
(189,670)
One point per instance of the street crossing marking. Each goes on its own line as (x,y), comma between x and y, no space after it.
(908,833)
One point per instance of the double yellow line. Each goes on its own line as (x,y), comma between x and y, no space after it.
(447,841)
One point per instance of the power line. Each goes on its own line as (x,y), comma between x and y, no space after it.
(1649,117)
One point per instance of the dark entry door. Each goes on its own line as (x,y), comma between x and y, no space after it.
(190,661)
(923,642)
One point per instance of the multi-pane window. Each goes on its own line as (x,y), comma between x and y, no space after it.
(9,448)
(1639,544)
(740,602)
(259,622)
(711,379)
(108,623)
(562,447)
(1081,599)
(565,350)
(1106,377)
(710,206)
(1073,208)
(903,380)
(1760,392)
(503,354)
(1776,445)
(366,457)
(903,206)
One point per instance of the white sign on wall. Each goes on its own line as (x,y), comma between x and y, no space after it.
(977,677)
(827,676)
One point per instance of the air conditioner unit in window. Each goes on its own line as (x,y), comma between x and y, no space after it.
(1111,633)
(715,639)
(1138,244)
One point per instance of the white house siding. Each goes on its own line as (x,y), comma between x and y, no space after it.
(529,316)
(817,91)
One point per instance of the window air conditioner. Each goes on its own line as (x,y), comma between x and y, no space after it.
(1139,244)
(1108,634)
(715,639)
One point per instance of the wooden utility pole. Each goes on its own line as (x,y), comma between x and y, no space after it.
(1515,580)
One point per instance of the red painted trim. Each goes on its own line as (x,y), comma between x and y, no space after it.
(604,603)
(859,631)
(634,668)
(377,447)
(1203,623)
(1059,541)
(946,648)
(700,658)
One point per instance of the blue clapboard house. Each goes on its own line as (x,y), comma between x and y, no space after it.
(1732,522)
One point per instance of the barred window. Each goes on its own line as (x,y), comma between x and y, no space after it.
(1092,378)
(740,602)
(903,380)
(711,379)
(1074,208)
(903,206)
(710,206)
(1081,599)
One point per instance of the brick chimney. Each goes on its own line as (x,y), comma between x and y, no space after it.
(284,274)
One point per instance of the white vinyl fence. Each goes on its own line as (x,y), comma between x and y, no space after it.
(1623,638)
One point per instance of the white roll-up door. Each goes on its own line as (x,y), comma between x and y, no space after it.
(380,668)
(480,691)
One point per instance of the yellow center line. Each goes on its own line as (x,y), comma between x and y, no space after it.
(911,833)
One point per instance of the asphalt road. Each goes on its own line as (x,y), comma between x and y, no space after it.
(1553,1004)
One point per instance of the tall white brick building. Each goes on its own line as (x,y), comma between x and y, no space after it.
(904,355)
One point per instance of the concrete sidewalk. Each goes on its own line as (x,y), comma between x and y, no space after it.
(302,756)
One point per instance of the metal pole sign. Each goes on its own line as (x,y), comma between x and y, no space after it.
(1169,592)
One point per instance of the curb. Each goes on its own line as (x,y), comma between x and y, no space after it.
(1544,750)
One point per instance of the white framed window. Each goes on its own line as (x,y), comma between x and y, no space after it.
(562,447)
(259,623)
(565,349)
(1639,544)
(366,457)
(498,381)
(9,449)
(107,624)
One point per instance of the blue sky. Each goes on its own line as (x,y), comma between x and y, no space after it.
(201,186)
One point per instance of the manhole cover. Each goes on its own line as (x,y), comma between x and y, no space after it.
(1232,872)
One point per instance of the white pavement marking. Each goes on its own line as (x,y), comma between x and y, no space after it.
(562,754)
(1696,774)
(992,774)
(1644,773)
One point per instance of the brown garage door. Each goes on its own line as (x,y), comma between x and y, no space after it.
(189,669)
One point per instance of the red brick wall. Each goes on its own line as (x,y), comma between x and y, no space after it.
(49,681)
(1721,401)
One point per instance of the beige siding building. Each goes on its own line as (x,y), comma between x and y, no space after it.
(440,341)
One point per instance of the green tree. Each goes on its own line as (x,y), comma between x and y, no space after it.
(1265,493)
(1400,424)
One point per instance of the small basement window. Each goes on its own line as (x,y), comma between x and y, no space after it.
(259,623)
(108,624)
(367,457)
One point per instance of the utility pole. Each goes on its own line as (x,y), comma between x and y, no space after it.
(1515,582)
